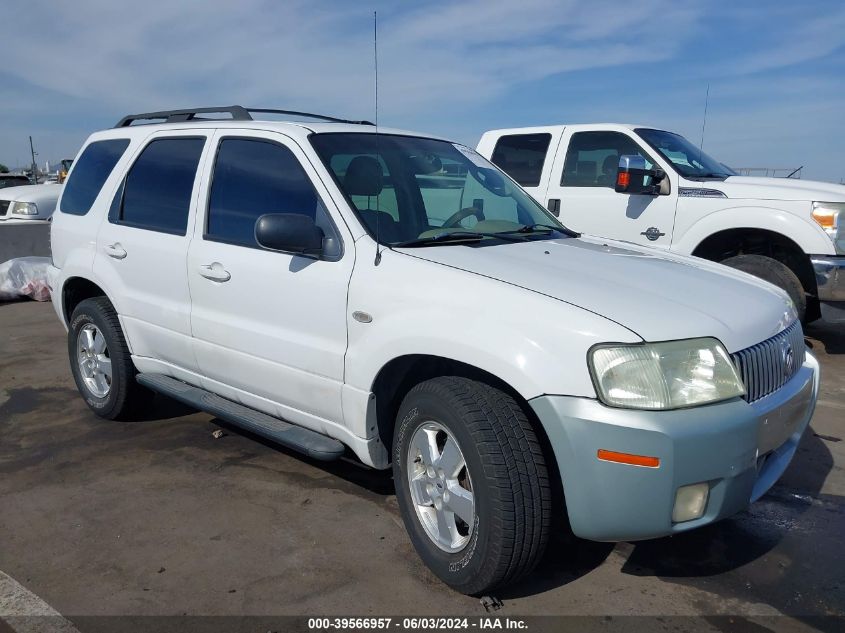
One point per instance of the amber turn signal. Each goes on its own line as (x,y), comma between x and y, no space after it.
(628,458)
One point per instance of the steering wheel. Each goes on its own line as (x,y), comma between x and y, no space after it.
(455,219)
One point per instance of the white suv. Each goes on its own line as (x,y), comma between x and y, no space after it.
(342,289)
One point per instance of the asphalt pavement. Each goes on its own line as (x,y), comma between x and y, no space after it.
(158,517)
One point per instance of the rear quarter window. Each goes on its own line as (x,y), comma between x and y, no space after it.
(90,172)
(521,156)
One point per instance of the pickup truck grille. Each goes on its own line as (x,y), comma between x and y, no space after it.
(767,366)
(4,206)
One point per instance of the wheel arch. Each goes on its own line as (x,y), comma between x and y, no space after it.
(75,290)
(399,375)
(758,241)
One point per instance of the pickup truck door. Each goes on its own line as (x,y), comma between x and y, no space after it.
(583,178)
(269,327)
(525,157)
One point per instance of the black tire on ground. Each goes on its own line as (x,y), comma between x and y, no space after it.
(507,474)
(774,272)
(125,395)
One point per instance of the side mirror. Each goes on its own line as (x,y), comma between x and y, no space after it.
(633,177)
(289,233)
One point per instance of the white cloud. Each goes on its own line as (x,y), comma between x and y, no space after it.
(164,53)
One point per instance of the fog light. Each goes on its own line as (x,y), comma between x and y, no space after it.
(690,502)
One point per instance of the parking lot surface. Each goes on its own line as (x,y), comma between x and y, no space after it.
(158,517)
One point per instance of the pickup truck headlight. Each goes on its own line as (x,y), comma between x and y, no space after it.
(666,375)
(25,208)
(831,217)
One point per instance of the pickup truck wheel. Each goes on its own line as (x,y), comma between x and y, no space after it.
(471,483)
(100,360)
(774,272)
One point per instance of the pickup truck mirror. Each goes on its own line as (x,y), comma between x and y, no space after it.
(289,233)
(633,177)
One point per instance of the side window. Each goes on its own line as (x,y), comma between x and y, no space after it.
(157,189)
(253,177)
(522,156)
(91,171)
(593,158)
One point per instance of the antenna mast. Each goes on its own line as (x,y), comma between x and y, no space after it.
(703,124)
(378,151)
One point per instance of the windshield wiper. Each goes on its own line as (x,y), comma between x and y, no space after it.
(711,174)
(455,237)
(545,228)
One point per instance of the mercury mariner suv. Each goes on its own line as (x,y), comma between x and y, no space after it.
(394,297)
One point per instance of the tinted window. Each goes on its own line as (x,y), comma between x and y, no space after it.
(13,181)
(91,171)
(157,191)
(592,159)
(522,156)
(251,178)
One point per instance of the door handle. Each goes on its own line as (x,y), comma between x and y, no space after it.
(215,272)
(115,250)
(553,205)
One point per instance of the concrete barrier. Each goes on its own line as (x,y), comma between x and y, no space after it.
(24,240)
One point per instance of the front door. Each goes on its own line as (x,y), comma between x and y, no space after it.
(269,328)
(584,180)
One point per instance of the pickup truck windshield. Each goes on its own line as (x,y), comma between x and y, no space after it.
(688,160)
(417,191)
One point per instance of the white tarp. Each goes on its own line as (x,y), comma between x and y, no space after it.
(25,277)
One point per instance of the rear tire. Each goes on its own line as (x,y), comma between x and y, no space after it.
(774,272)
(100,360)
(502,534)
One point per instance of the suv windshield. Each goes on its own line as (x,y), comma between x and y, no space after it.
(420,191)
(688,160)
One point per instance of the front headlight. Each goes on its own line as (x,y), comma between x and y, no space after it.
(831,217)
(667,375)
(25,208)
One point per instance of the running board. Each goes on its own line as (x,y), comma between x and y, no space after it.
(298,438)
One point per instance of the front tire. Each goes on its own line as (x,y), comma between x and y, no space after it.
(774,272)
(100,360)
(471,482)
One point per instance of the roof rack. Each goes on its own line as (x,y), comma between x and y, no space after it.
(238,113)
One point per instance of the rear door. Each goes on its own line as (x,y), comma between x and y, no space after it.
(527,157)
(142,248)
(269,327)
(583,179)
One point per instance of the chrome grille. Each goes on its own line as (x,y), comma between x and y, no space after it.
(767,366)
(4,206)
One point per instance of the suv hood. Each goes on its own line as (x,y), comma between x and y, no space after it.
(778,189)
(658,296)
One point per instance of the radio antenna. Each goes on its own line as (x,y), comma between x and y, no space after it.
(378,150)
(703,124)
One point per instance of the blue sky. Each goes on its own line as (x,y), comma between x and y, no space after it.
(776,69)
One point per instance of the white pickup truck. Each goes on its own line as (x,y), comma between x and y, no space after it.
(788,232)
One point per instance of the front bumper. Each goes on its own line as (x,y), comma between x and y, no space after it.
(830,280)
(739,449)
